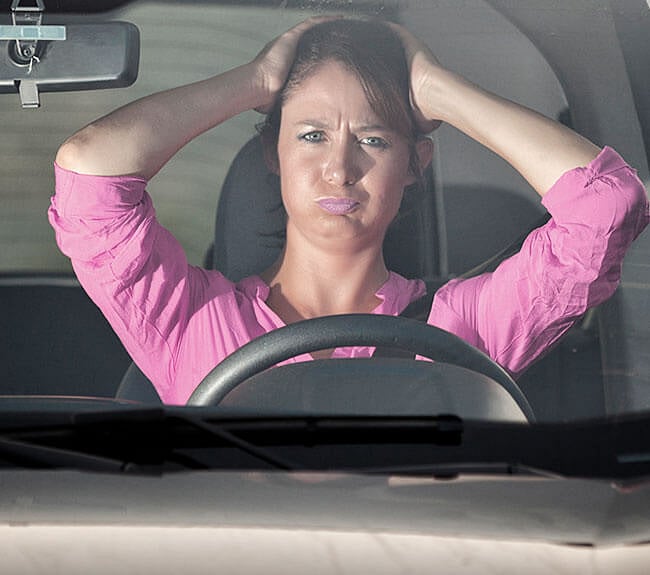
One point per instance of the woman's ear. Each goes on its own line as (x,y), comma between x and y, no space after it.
(424,151)
(424,154)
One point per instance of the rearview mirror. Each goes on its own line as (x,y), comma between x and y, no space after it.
(67,58)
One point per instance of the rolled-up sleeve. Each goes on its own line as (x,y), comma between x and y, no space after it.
(131,266)
(570,264)
(100,221)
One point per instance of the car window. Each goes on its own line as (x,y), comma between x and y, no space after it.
(179,43)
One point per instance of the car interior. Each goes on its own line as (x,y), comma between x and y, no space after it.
(472,211)
(380,465)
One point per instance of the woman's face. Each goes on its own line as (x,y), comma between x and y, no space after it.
(342,170)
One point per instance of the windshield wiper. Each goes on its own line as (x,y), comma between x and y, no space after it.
(53,445)
(159,439)
(313,430)
(25,454)
(167,439)
(265,455)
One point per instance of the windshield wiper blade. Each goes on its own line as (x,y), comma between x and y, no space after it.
(312,431)
(436,429)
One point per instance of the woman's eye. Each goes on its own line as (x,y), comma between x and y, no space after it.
(315,136)
(375,142)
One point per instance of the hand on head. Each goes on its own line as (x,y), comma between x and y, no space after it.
(276,58)
(421,63)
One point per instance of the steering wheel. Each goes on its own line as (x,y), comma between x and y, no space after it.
(349,330)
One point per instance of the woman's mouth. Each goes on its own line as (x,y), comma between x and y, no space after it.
(338,206)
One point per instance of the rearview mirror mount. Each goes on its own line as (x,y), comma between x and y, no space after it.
(36,58)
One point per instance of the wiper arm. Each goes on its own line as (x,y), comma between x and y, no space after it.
(33,445)
(263,454)
(174,420)
(162,439)
(28,454)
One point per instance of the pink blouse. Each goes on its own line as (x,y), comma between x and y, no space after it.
(178,321)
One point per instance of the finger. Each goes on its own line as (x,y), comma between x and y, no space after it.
(278,55)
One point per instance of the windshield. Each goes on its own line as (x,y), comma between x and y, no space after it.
(581,64)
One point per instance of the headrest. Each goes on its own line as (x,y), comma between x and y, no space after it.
(250,219)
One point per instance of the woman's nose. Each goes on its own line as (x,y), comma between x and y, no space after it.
(341,166)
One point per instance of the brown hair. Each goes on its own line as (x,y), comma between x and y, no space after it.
(374,53)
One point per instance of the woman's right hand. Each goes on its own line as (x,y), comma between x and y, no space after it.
(274,61)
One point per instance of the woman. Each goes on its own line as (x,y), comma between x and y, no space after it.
(349,103)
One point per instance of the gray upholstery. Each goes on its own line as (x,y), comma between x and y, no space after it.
(54,340)
(249,218)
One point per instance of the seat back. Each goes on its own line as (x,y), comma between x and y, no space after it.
(54,340)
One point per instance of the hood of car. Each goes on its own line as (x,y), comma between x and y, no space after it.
(574,512)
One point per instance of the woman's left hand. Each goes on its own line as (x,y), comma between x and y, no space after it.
(422,67)
(539,148)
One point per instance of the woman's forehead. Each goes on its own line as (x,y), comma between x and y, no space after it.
(331,88)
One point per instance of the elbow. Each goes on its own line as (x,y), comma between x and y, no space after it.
(70,156)
(67,155)
(79,153)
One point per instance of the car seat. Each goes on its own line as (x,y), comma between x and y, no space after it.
(54,340)
(431,221)
(250,222)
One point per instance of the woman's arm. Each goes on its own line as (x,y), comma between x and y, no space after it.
(139,138)
(539,148)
